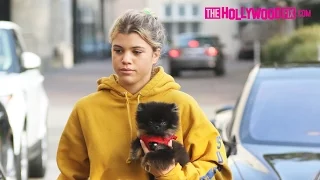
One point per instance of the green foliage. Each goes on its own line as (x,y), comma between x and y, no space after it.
(275,50)
(300,46)
(305,52)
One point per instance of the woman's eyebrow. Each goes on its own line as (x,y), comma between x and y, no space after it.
(115,45)
(134,47)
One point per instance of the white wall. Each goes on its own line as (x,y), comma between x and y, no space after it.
(45,24)
(34,19)
(224,28)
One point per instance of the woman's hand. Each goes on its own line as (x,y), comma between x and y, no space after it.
(153,171)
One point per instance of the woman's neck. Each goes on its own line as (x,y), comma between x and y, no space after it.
(136,87)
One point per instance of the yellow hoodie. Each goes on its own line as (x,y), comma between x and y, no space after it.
(96,140)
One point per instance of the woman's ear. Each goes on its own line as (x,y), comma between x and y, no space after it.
(156,55)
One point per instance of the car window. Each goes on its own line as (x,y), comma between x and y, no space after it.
(202,40)
(207,40)
(17,44)
(6,59)
(283,111)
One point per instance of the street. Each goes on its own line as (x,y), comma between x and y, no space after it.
(65,87)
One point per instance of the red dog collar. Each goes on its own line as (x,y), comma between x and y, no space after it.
(160,140)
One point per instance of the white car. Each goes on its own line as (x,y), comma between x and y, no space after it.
(25,100)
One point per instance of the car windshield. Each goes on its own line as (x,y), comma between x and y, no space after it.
(283,112)
(5,54)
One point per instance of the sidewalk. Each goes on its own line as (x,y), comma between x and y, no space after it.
(50,69)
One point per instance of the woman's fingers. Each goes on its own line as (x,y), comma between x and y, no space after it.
(144,147)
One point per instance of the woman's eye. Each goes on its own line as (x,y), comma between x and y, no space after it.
(117,50)
(137,52)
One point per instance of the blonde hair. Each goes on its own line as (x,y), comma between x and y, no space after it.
(144,22)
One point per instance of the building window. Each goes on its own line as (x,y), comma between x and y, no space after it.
(181,10)
(168,10)
(182,27)
(195,10)
(195,27)
(168,28)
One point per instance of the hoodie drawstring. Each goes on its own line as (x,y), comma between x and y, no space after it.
(130,124)
(129,117)
(139,98)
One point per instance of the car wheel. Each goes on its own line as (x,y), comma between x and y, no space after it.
(10,167)
(220,70)
(174,72)
(38,165)
(22,158)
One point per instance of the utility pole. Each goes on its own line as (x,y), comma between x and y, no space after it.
(103,30)
(75,41)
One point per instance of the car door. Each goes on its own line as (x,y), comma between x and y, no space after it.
(32,82)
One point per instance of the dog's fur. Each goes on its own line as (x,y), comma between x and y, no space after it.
(158,119)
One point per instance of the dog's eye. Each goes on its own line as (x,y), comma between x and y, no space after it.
(163,123)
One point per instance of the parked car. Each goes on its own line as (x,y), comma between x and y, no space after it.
(273,131)
(26,102)
(246,51)
(196,52)
(8,168)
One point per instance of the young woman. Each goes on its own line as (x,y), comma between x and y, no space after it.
(96,140)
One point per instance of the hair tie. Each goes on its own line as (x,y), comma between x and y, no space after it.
(149,12)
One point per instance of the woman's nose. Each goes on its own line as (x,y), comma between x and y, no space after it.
(126,59)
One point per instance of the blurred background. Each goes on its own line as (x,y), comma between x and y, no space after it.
(71,37)
(78,30)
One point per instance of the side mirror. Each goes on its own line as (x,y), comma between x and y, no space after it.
(224,108)
(221,120)
(230,146)
(222,116)
(30,60)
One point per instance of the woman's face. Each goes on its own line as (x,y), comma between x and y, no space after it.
(132,59)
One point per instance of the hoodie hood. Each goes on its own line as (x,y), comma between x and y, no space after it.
(160,82)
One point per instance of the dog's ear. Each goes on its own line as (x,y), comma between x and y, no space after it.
(140,107)
(174,107)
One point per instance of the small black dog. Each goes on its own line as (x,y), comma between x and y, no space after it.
(157,123)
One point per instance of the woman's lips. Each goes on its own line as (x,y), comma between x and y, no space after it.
(126,71)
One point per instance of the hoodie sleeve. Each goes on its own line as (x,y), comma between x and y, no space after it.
(203,142)
(72,156)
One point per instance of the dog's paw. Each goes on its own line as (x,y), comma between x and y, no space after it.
(160,159)
(135,155)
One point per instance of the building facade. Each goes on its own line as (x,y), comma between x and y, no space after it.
(61,32)
(182,16)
